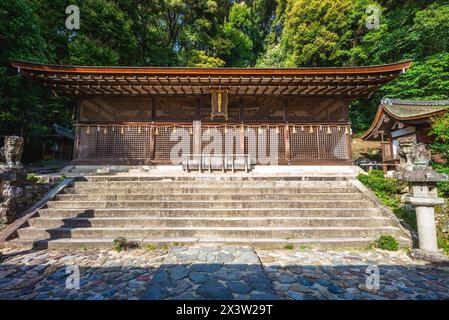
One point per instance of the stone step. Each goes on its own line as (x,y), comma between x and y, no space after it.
(145,221)
(222,232)
(202,212)
(259,243)
(227,177)
(211,204)
(190,184)
(200,189)
(209,196)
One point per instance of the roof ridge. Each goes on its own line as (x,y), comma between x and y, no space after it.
(390,101)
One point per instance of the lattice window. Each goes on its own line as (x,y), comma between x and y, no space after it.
(115,109)
(263,109)
(313,109)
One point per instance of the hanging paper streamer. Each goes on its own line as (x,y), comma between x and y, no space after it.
(88,130)
(174,129)
(277,130)
(156,132)
(98,128)
(346,130)
(105,129)
(329,130)
(190,130)
(311,129)
(294,129)
(139,130)
(113,128)
(302,128)
(122,131)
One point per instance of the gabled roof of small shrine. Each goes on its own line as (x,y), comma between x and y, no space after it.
(393,111)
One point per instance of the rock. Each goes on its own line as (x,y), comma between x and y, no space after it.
(284,278)
(295,295)
(200,277)
(335,289)
(214,290)
(263,296)
(239,287)
(178,272)
(155,293)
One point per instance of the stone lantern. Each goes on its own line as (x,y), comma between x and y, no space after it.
(422,180)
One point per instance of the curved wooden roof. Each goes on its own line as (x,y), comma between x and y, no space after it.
(352,82)
(391,111)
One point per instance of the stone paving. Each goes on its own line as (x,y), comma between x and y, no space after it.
(223,273)
(214,272)
(342,275)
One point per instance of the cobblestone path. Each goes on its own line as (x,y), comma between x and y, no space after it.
(205,272)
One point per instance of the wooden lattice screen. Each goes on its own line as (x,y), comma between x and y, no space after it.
(247,108)
(160,142)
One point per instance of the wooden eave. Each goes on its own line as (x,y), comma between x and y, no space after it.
(413,120)
(351,82)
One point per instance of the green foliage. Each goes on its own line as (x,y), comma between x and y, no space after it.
(443,243)
(215,33)
(122,244)
(386,189)
(440,130)
(34,178)
(289,247)
(150,246)
(387,242)
(408,216)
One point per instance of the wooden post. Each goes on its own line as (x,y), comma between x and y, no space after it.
(153,109)
(152,153)
(349,145)
(287,143)
(197,137)
(242,139)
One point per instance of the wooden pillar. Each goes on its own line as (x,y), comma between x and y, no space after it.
(286,132)
(152,142)
(242,138)
(287,142)
(197,137)
(153,109)
(198,110)
(349,145)
(76,142)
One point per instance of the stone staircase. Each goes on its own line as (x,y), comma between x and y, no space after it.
(267,213)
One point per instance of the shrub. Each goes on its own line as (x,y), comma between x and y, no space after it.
(443,243)
(386,242)
(289,247)
(386,189)
(34,178)
(121,243)
(150,246)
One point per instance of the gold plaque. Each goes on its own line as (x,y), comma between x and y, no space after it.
(219,101)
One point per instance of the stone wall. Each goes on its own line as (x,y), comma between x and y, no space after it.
(17,193)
